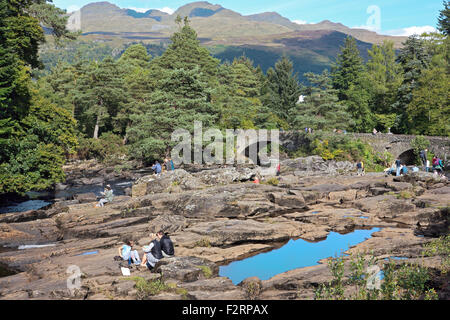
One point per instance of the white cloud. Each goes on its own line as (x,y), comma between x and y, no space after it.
(73,8)
(143,10)
(167,10)
(299,21)
(406,32)
(139,9)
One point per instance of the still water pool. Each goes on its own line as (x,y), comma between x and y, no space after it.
(295,254)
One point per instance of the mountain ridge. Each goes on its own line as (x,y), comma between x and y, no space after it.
(211,21)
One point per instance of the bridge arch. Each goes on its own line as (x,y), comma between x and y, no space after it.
(408,157)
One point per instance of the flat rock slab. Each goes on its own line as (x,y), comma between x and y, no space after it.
(385,206)
(235,231)
(186,269)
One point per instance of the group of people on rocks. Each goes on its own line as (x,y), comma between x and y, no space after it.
(437,165)
(399,168)
(168,166)
(159,247)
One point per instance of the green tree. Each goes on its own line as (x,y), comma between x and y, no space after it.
(414,58)
(180,99)
(350,78)
(238,94)
(38,145)
(321,109)
(34,133)
(444,19)
(186,53)
(99,95)
(134,66)
(429,109)
(283,90)
(385,76)
(347,69)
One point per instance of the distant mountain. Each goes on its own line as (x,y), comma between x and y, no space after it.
(275,18)
(211,21)
(263,37)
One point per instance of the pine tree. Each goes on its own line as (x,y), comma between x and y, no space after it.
(99,95)
(347,69)
(385,76)
(238,94)
(283,90)
(429,109)
(349,77)
(186,53)
(180,99)
(321,109)
(414,58)
(134,67)
(444,19)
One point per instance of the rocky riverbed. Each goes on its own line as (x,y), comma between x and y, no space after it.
(215,217)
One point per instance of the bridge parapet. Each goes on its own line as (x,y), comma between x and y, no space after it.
(396,144)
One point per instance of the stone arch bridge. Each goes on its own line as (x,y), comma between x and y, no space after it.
(397,145)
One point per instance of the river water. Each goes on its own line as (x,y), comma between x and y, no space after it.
(295,254)
(41,199)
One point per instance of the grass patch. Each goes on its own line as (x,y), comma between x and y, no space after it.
(149,288)
(405,195)
(272,182)
(207,272)
(203,242)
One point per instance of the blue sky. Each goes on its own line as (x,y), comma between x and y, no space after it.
(395,17)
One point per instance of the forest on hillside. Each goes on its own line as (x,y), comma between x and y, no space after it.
(130,105)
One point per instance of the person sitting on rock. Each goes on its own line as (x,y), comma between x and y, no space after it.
(157,168)
(109,196)
(168,164)
(166,244)
(404,169)
(152,253)
(127,253)
(390,170)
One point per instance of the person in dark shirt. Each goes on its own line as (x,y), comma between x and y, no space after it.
(166,244)
(152,253)
(423,157)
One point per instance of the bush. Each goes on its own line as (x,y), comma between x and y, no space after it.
(149,288)
(343,148)
(419,143)
(406,281)
(109,148)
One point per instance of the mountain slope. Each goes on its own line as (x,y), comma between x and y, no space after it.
(210,21)
(263,37)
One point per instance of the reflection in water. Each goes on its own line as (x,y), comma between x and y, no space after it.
(295,254)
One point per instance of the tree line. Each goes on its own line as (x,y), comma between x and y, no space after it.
(135,102)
